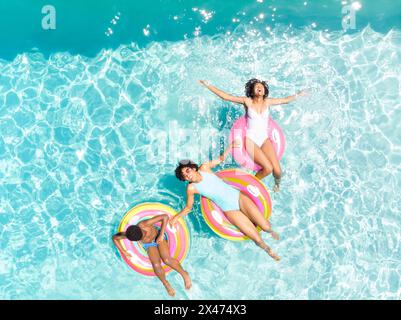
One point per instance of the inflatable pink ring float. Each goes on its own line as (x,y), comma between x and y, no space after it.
(178,237)
(248,184)
(238,133)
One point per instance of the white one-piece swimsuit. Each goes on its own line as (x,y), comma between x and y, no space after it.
(258,126)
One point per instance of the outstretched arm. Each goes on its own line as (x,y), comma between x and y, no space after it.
(188,207)
(276,101)
(223,95)
(155,219)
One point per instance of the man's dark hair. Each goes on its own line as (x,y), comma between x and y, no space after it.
(184,164)
(133,233)
(251,84)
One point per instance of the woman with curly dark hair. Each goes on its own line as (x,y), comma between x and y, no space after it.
(236,205)
(257,107)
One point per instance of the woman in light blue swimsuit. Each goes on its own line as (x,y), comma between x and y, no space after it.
(238,208)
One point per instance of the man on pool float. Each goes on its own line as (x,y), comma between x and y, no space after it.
(238,208)
(154,242)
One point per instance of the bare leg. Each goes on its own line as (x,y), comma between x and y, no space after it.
(155,259)
(258,156)
(270,153)
(249,208)
(242,222)
(174,263)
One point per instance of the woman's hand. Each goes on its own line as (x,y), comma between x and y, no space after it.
(128,255)
(302,93)
(173,221)
(159,239)
(204,82)
(237,143)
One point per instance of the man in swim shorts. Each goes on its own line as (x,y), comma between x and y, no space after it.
(155,243)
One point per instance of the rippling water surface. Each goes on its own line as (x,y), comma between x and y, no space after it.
(76,132)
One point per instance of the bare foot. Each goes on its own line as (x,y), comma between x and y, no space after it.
(275,235)
(269,251)
(277,182)
(272,254)
(169,289)
(187,280)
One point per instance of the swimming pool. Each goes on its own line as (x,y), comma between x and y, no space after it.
(93,122)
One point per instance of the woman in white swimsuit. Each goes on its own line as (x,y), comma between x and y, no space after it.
(257,107)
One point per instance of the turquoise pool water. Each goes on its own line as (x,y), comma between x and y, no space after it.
(93,122)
